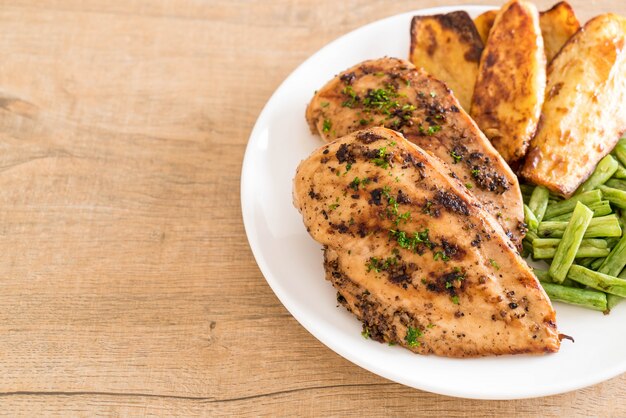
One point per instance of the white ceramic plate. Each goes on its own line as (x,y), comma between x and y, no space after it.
(292,262)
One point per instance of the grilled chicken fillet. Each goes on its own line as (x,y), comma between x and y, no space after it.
(414,256)
(392,93)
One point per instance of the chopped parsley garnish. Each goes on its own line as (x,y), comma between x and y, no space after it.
(382,99)
(455,156)
(378,264)
(381,160)
(410,242)
(324,104)
(430,326)
(469,186)
(354,184)
(475,172)
(494,264)
(327,125)
(366,332)
(351,101)
(412,334)
(455,299)
(440,255)
(362,122)
(431,130)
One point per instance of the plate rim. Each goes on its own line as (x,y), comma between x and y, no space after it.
(247,212)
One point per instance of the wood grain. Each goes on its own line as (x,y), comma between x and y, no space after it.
(127,285)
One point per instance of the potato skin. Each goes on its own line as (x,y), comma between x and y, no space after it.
(583,115)
(449,47)
(558,24)
(484,22)
(511,81)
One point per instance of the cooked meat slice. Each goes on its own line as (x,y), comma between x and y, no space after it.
(448,46)
(414,256)
(393,93)
(583,115)
(511,80)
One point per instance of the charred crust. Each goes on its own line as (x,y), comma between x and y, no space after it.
(403,198)
(344,154)
(375,197)
(348,78)
(367,137)
(451,202)
(452,251)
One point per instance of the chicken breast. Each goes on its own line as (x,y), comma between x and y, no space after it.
(511,81)
(414,256)
(392,93)
(583,115)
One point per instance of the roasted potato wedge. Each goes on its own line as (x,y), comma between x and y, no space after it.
(448,47)
(583,115)
(557,25)
(484,22)
(511,80)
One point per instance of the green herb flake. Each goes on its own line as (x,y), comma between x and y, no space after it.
(327,126)
(440,255)
(324,104)
(469,186)
(366,332)
(412,335)
(494,264)
(456,157)
(455,299)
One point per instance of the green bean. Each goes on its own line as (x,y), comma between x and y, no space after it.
(604,226)
(616,184)
(615,196)
(620,173)
(544,276)
(567,250)
(527,248)
(582,297)
(620,151)
(568,205)
(595,265)
(538,202)
(583,252)
(601,208)
(530,219)
(585,262)
(526,188)
(612,300)
(554,242)
(531,236)
(616,260)
(604,170)
(599,281)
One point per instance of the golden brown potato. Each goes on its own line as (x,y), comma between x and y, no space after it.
(583,115)
(511,80)
(448,47)
(557,25)
(484,22)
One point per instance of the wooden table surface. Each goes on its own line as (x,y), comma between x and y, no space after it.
(127,284)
